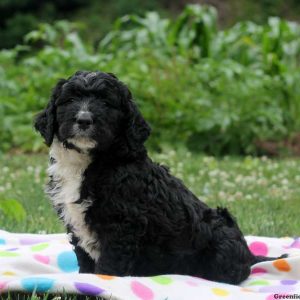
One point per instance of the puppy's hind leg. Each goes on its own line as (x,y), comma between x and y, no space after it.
(227,262)
(228,257)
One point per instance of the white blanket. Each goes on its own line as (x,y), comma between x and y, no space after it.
(46,263)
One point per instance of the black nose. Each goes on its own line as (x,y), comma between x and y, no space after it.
(84,120)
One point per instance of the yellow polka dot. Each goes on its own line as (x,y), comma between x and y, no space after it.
(220,292)
(282,265)
(8,273)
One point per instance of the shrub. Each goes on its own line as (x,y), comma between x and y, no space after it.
(217,91)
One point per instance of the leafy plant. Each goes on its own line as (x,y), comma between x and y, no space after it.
(13,209)
(217,91)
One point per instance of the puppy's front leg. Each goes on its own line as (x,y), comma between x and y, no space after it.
(85,262)
(117,259)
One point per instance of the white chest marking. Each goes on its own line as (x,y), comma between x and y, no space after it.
(67,176)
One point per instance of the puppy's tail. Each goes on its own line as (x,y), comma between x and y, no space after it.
(258,259)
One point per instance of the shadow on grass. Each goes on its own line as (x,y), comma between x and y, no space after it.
(38,296)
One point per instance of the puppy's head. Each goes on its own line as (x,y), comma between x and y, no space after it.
(92,110)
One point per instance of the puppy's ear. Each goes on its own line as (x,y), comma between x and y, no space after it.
(113,75)
(138,130)
(45,120)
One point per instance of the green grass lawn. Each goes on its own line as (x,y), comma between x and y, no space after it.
(263,194)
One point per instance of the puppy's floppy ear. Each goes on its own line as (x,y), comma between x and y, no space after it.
(138,130)
(112,75)
(45,120)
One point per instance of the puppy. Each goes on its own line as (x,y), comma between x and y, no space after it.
(125,214)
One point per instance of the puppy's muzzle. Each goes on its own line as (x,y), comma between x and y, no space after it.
(84,120)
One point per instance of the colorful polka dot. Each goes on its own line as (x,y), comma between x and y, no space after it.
(288,282)
(88,289)
(67,261)
(32,241)
(9,273)
(106,277)
(141,291)
(277,289)
(42,258)
(192,283)
(39,247)
(8,254)
(220,292)
(246,290)
(38,284)
(258,271)
(259,282)
(2,242)
(282,265)
(2,285)
(258,248)
(12,249)
(295,243)
(164,280)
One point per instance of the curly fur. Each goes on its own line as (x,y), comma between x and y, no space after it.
(127,215)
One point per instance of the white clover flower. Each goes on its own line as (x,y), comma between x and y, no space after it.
(222,195)
(238,195)
(213,173)
(191,179)
(239,179)
(5,169)
(30,168)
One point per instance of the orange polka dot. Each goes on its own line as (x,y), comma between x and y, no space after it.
(282,265)
(247,290)
(220,292)
(105,277)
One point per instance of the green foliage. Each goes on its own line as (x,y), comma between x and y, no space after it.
(217,91)
(12,208)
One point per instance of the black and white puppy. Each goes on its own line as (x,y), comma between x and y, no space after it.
(126,214)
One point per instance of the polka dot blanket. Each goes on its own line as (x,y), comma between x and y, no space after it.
(46,263)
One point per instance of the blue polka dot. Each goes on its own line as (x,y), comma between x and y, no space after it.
(37,284)
(2,242)
(67,261)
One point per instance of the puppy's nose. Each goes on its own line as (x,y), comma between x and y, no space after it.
(84,119)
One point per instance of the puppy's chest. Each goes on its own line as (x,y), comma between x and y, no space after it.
(66,176)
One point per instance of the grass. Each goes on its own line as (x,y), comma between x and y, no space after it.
(263,194)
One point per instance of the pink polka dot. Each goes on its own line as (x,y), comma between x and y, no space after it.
(42,258)
(141,291)
(258,248)
(258,271)
(2,285)
(191,283)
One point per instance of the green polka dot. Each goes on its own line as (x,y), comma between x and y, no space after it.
(259,282)
(8,254)
(39,247)
(162,280)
